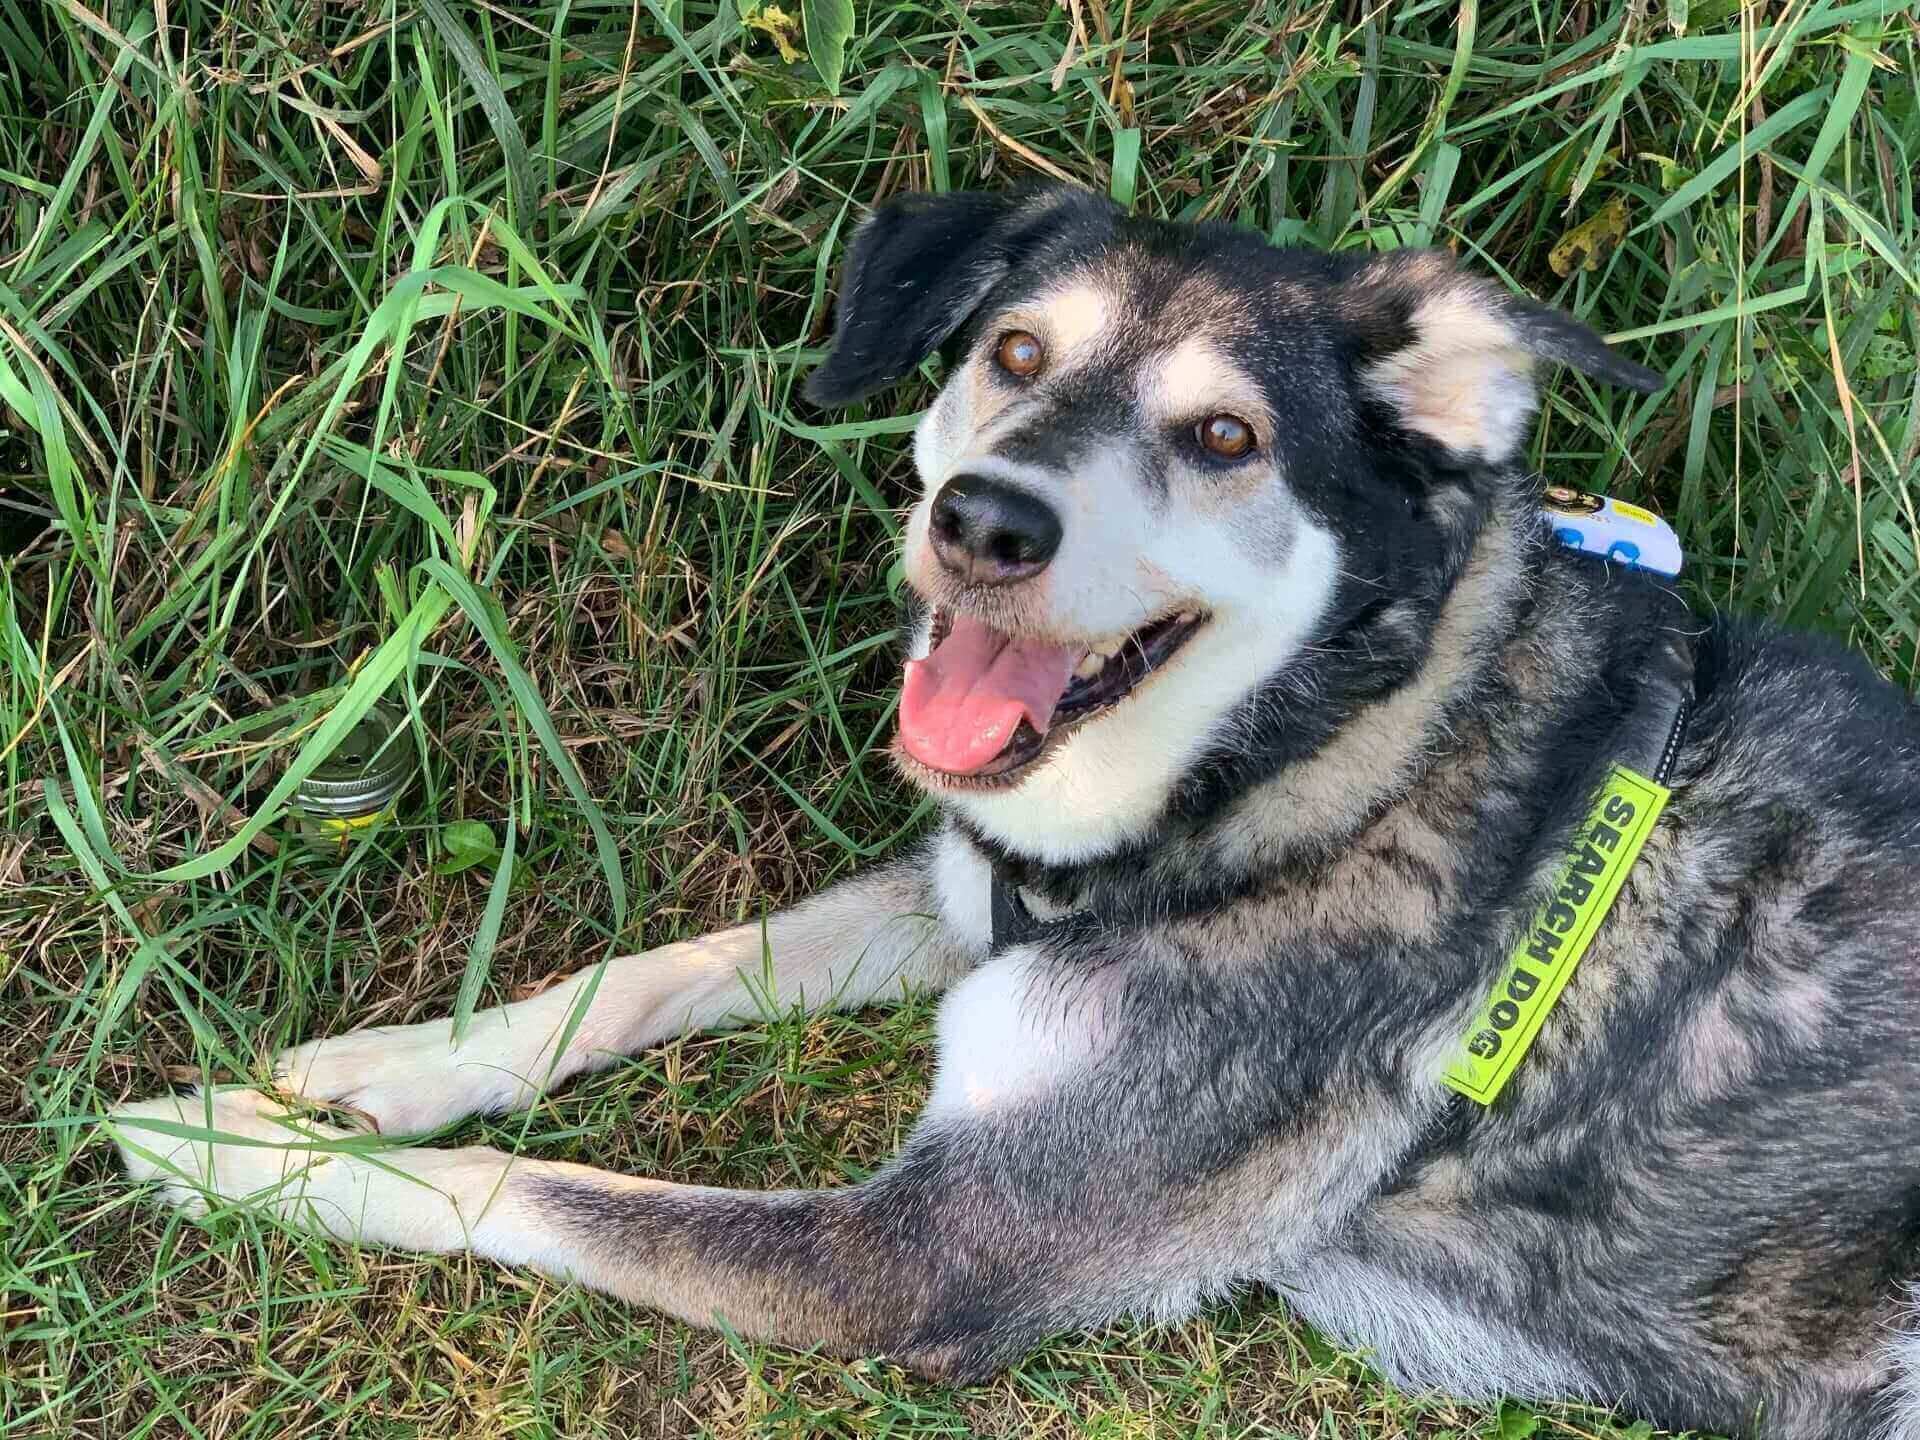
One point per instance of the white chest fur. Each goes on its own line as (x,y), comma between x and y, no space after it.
(1005,1038)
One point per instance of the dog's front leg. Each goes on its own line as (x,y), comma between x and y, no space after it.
(918,922)
(942,1262)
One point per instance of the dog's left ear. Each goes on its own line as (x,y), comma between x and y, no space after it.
(919,267)
(1453,356)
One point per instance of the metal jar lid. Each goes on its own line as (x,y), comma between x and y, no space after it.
(366,770)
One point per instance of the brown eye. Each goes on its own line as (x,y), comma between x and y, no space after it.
(1227,436)
(1019,353)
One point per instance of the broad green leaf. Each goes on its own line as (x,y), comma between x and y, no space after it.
(933,123)
(1126,166)
(467,843)
(829,26)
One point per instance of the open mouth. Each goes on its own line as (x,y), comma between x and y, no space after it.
(983,706)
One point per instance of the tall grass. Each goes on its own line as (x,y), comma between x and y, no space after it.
(447,350)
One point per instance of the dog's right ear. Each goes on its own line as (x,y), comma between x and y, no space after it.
(916,270)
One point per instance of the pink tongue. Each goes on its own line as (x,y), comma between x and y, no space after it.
(960,705)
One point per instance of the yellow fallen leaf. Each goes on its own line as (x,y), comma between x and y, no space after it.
(1591,241)
(782,28)
(1672,173)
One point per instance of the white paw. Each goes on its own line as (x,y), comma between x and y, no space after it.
(409,1079)
(272,1145)
(244,1146)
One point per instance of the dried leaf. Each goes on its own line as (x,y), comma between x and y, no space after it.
(1590,242)
(777,25)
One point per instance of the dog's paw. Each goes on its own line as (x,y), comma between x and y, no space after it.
(410,1079)
(240,1145)
(226,1144)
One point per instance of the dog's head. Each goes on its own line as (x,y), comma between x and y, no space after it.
(1187,498)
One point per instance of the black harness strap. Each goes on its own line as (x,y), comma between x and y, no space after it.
(1651,737)
(1013,922)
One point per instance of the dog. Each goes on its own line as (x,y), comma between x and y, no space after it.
(1273,736)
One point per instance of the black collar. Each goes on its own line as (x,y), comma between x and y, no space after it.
(1650,739)
(1650,743)
(1013,923)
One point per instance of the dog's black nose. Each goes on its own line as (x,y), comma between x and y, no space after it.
(988,533)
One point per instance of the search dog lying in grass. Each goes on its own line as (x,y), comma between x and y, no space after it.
(1268,722)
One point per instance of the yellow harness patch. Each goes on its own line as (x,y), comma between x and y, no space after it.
(1603,851)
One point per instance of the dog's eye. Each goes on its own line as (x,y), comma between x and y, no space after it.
(1227,436)
(1019,353)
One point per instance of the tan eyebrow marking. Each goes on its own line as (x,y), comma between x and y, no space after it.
(1189,379)
(1195,380)
(1074,316)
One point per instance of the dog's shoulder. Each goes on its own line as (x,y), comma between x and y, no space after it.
(1788,706)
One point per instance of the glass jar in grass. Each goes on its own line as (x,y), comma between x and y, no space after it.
(357,788)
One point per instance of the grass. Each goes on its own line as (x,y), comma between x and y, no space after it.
(449,348)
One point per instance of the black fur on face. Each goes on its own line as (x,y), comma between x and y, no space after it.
(1433,370)
(919,267)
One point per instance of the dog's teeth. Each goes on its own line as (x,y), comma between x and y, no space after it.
(1187,617)
(1090,665)
(1107,649)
